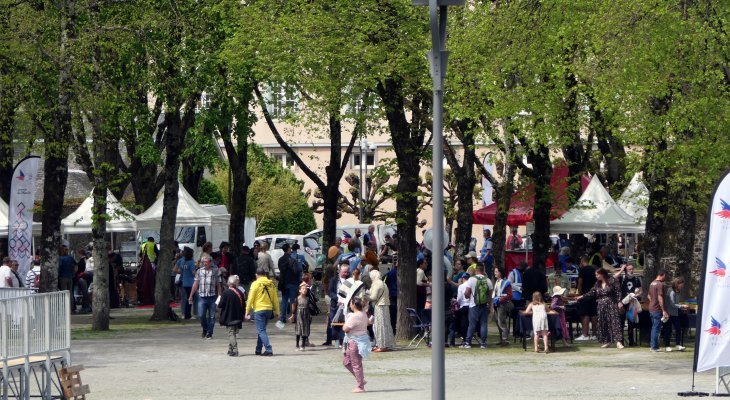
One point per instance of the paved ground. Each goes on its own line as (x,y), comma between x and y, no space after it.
(174,363)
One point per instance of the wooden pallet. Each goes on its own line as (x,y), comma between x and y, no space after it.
(71,382)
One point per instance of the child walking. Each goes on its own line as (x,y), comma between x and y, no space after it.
(539,320)
(357,342)
(300,308)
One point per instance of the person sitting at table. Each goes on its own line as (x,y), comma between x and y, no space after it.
(607,293)
(539,311)
(558,305)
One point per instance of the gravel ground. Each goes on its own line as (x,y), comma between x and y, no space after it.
(175,363)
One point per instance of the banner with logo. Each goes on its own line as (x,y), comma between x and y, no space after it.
(712,346)
(20,213)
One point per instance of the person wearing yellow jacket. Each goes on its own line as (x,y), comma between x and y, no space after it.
(262,301)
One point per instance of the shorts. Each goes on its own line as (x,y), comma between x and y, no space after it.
(587,307)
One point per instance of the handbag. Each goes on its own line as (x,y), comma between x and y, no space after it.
(271,301)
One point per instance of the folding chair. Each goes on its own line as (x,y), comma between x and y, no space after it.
(423,330)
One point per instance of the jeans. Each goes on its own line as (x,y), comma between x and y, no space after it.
(503,313)
(674,322)
(185,306)
(207,321)
(288,297)
(478,317)
(656,324)
(261,319)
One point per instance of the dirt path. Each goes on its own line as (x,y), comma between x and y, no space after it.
(175,363)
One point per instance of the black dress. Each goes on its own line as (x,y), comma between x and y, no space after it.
(609,319)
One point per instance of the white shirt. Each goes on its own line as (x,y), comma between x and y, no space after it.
(420,277)
(460,298)
(472,283)
(5,273)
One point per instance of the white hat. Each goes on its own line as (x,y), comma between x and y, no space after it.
(558,291)
(348,289)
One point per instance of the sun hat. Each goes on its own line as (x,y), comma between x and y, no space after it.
(558,291)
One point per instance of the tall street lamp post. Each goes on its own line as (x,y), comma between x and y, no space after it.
(363,185)
(438,58)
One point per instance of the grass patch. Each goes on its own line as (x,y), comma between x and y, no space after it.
(122,324)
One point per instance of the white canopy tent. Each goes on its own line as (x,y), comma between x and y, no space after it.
(635,199)
(189,213)
(79,222)
(596,212)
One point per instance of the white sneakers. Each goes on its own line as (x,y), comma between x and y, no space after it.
(680,348)
(582,338)
(619,345)
(668,349)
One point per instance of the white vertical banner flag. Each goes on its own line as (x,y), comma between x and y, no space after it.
(713,327)
(487,189)
(20,213)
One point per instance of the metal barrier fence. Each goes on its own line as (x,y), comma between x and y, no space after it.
(35,331)
(6,293)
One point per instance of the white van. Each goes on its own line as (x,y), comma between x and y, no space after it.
(308,244)
(349,230)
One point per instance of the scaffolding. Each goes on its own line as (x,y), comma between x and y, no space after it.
(35,342)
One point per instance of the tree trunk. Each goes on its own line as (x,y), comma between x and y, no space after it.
(8,106)
(408,140)
(465,193)
(191,177)
(100,298)
(238,164)
(56,144)
(653,247)
(503,193)
(542,171)
(686,242)
(177,127)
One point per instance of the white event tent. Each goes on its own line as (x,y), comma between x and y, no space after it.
(79,222)
(596,212)
(635,199)
(189,213)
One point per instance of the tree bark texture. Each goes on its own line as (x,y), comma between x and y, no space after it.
(408,142)
(466,180)
(238,164)
(541,171)
(56,144)
(191,177)
(8,106)
(657,210)
(686,243)
(177,127)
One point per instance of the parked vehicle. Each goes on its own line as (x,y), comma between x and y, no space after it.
(308,243)
(347,231)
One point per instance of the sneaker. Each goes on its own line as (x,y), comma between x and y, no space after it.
(680,348)
(619,345)
(302,349)
(209,337)
(466,346)
(202,335)
(233,354)
(654,350)
(484,346)
(593,338)
(258,352)
(327,344)
(298,348)
(267,354)
(582,338)
(668,349)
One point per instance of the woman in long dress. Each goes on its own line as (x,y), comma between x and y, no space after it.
(380,298)
(607,293)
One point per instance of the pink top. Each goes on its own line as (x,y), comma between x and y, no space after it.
(357,322)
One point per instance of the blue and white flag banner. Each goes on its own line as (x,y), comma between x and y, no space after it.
(713,327)
(20,213)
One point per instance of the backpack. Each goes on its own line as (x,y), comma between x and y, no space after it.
(481,295)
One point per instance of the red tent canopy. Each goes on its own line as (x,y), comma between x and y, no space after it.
(523,202)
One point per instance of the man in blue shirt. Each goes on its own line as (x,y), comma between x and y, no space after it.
(66,271)
(486,257)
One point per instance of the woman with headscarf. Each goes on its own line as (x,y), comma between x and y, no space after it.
(380,298)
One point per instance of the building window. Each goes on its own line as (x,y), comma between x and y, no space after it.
(284,159)
(369,159)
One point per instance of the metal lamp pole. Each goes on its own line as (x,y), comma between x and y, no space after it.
(363,145)
(438,57)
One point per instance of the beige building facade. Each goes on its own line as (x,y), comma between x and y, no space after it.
(312,144)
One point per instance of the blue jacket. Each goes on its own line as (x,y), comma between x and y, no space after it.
(391,280)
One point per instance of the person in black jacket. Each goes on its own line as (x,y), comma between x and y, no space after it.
(533,280)
(231,313)
(289,277)
(245,268)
